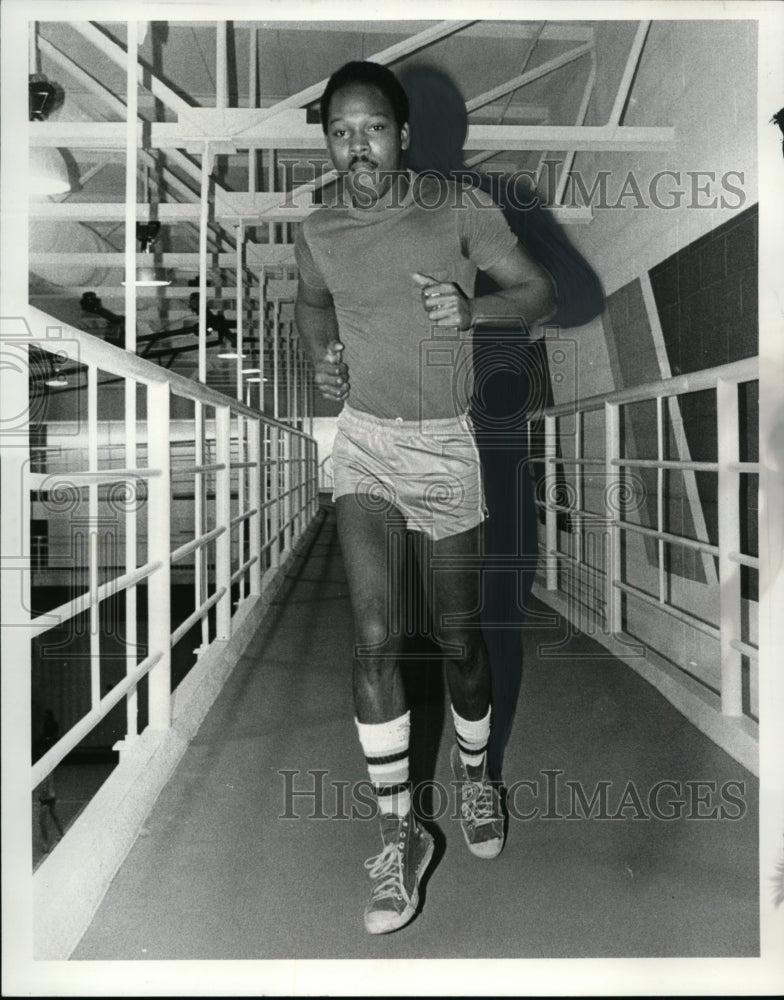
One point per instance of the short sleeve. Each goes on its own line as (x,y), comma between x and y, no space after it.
(484,232)
(308,271)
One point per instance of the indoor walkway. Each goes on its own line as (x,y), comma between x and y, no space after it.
(219,874)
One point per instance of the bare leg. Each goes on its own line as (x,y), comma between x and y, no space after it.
(368,539)
(454,592)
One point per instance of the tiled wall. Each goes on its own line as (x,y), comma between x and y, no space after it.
(706,297)
(633,361)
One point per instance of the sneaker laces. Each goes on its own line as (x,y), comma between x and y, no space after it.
(479,802)
(384,870)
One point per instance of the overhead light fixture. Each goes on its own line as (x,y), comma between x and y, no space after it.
(48,173)
(148,275)
(228,350)
(254,375)
(59,379)
(48,170)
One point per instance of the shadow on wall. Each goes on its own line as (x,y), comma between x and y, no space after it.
(509,365)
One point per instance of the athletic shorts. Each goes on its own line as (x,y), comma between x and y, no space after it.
(428,469)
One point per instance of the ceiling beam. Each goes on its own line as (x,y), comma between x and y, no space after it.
(145,74)
(413,43)
(513,114)
(258,255)
(629,72)
(525,78)
(260,206)
(291,132)
(116,294)
(563,31)
(249,209)
(111,101)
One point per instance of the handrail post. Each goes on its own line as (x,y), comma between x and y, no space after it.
(288,523)
(200,567)
(92,529)
(612,450)
(295,482)
(550,513)
(578,547)
(15,420)
(309,467)
(294,411)
(275,359)
(262,316)
(242,497)
(729,541)
(290,405)
(240,317)
(315,475)
(302,484)
(223,520)
(312,395)
(131,197)
(255,501)
(159,586)
(274,467)
(660,496)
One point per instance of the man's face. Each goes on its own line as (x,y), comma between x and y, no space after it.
(364,141)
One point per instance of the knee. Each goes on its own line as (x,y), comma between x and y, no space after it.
(460,644)
(373,634)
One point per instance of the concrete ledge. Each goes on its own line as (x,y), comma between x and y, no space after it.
(71,882)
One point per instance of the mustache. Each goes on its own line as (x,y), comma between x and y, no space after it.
(361,159)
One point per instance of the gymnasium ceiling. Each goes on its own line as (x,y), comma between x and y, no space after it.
(533,89)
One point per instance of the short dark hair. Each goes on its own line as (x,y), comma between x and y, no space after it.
(369,73)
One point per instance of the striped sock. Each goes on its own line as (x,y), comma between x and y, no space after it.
(385,746)
(472,736)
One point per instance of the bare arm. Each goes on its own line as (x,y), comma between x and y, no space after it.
(317,323)
(526,292)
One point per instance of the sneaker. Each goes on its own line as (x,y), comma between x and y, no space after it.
(482,817)
(396,873)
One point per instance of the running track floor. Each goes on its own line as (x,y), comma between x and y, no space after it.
(218,874)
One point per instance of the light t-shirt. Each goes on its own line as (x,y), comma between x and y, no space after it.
(400,366)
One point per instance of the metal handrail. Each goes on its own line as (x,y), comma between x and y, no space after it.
(116,361)
(737,371)
(267,512)
(724,380)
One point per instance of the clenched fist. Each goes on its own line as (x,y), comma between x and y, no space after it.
(332,373)
(444,302)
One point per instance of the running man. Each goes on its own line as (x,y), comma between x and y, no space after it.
(384,306)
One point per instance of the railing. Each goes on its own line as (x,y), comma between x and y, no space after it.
(254,482)
(326,476)
(616,587)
